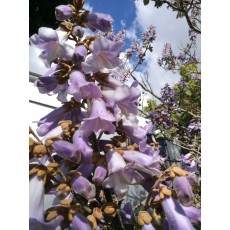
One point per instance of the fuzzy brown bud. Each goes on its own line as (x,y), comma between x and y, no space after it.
(144,218)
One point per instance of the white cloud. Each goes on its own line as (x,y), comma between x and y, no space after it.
(87,6)
(123,24)
(131,33)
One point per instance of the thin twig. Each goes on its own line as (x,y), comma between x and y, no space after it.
(145,207)
(144,88)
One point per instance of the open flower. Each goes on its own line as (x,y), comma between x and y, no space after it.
(143,160)
(99,121)
(194,214)
(122,96)
(175,214)
(80,88)
(36,206)
(105,54)
(52,81)
(79,151)
(53,45)
(120,174)
(132,129)
(51,120)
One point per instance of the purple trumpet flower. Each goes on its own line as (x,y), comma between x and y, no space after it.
(143,160)
(131,128)
(79,222)
(123,96)
(120,174)
(67,150)
(189,163)
(79,151)
(52,81)
(63,12)
(148,227)
(99,175)
(105,54)
(36,206)
(80,88)
(98,21)
(53,46)
(50,121)
(175,215)
(80,53)
(99,121)
(194,214)
(82,143)
(183,190)
(83,187)
(144,147)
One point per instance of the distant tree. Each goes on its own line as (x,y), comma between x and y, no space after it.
(189,9)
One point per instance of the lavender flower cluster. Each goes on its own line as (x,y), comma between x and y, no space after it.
(89,176)
(140,46)
(170,61)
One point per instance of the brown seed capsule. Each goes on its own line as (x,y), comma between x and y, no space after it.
(33,170)
(98,213)
(31,142)
(66,202)
(52,215)
(172,174)
(109,209)
(166,191)
(53,165)
(144,218)
(179,171)
(93,220)
(70,216)
(39,150)
(41,173)
(48,142)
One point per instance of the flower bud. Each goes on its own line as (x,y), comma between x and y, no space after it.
(183,190)
(98,21)
(63,12)
(78,31)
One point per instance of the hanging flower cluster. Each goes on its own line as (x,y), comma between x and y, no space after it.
(89,176)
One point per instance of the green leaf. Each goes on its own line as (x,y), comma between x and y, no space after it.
(146,2)
(188,92)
